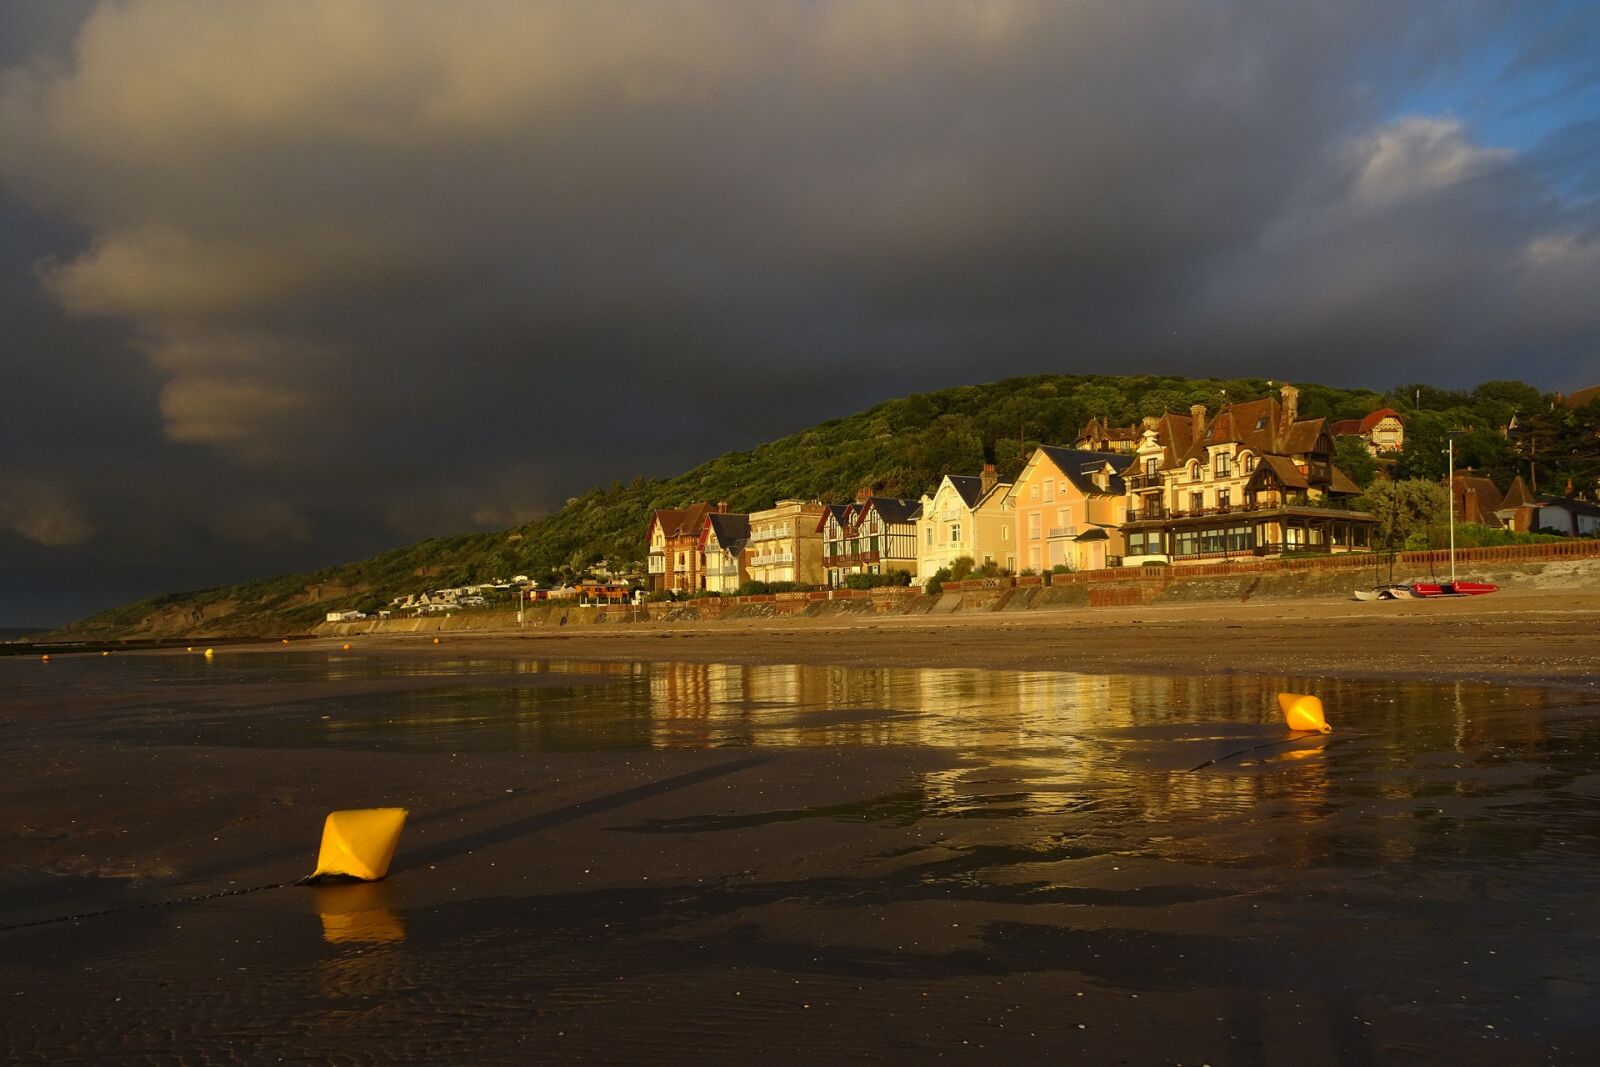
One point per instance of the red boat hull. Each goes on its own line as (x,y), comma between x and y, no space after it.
(1433,589)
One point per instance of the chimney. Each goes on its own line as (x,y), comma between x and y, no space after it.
(722,507)
(864,493)
(1197,419)
(1291,405)
(987,479)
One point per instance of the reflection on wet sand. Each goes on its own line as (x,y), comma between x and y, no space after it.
(362,913)
(912,861)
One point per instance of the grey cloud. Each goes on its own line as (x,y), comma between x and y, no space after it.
(405,267)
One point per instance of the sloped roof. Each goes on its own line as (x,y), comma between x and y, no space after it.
(1582,397)
(680,522)
(1340,482)
(840,512)
(969,486)
(1374,417)
(1176,434)
(1347,428)
(732,531)
(1079,467)
(1572,504)
(893,510)
(1518,495)
(1487,497)
(1282,468)
(1254,424)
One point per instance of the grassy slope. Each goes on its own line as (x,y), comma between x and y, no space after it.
(901,447)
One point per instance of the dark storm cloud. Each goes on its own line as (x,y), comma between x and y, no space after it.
(307,279)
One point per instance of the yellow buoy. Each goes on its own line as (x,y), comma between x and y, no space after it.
(1303,712)
(210,652)
(103,652)
(189,649)
(359,843)
(286,640)
(347,646)
(45,658)
(436,640)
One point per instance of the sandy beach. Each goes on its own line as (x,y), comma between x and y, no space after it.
(1526,635)
(890,840)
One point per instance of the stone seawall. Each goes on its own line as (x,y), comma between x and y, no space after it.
(1522,567)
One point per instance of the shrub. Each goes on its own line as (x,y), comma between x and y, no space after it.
(935,584)
(877,581)
(960,568)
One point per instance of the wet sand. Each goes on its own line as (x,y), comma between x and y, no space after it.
(710,845)
(1540,636)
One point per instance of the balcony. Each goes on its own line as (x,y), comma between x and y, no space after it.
(657,565)
(1146,514)
(1143,481)
(1061,531)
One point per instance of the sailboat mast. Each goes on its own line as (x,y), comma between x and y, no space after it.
(1450,453)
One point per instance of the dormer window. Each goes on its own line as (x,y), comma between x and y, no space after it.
(1249,463)
(1222,465)
(1194,471)
(1261,423)
(1152,466)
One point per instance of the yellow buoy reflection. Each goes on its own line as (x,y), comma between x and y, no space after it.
(1303,712)
(361,913)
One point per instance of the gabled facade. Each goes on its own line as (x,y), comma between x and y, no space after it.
(874,535)
(1100,436)
(1067,507)
(1382,431)
(724,546)
(967,516)
(674,561)
(786,542)
(1255,481)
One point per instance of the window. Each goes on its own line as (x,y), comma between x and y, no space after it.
(1152,467)
(1224,497)
(1033,526)
(1197,501)
(1035,492)
(930,536)
(1222,465)
(1248,462)
(1194,471)
(955,533)
(1005,532)
(1049,489)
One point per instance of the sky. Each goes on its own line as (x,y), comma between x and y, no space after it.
(285,283)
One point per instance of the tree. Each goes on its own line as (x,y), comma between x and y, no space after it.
(1405,510)
(1351,456)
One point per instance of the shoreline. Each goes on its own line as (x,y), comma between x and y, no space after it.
(1508,637)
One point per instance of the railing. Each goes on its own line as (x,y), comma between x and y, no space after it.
(1062,531)
(1142,481)
(657,565)
(847,558)
(1154,511)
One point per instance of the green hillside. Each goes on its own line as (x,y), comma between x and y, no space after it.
(900,447)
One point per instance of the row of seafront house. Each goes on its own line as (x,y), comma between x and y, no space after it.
(1257,480)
